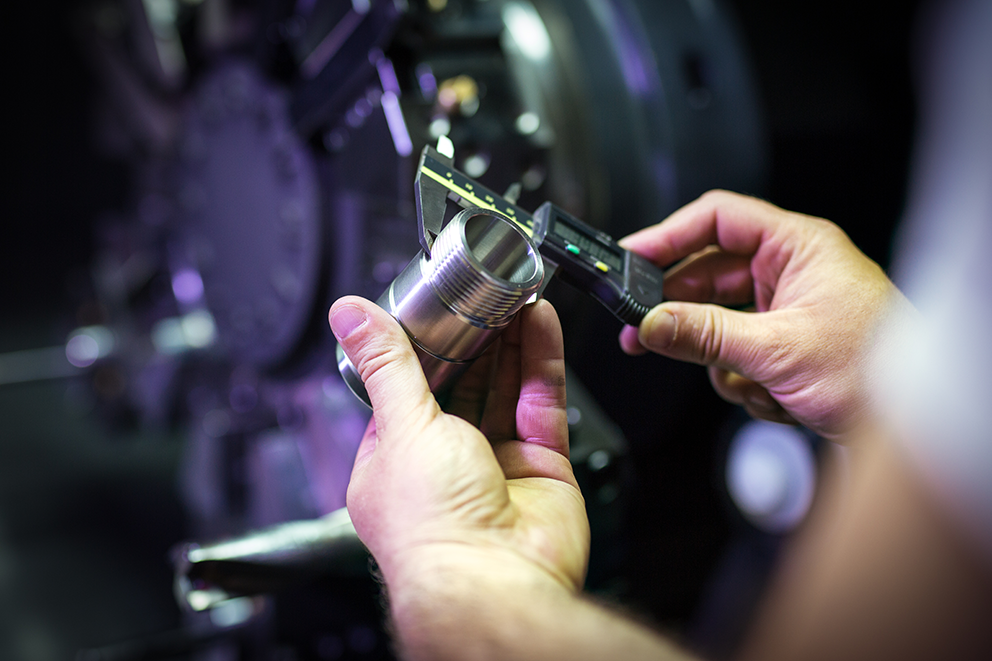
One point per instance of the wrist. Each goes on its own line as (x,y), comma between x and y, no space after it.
(448,601)
(472,603)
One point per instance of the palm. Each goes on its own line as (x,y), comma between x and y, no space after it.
(552,528)
(431,482)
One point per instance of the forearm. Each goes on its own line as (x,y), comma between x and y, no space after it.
(483,606)
(881,573)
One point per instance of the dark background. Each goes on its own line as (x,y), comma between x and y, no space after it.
(834,76)
(86,520)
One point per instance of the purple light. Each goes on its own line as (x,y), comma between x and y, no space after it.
(427,81)
(187,285)
(396,123)
(82,350)
(89,344)
(387,75)
(638,72)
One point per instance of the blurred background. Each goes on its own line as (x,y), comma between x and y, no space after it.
(193,182)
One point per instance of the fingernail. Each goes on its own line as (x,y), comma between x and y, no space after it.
(660,331)
(346,319)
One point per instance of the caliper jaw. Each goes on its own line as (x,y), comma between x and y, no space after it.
(431,197)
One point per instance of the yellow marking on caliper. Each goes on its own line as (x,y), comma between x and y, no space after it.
(471,197)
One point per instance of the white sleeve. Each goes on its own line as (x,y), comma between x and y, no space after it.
(936,387)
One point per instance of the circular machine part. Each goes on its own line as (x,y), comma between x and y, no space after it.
(649,104)
(250,214)
(771,475)
(456,301)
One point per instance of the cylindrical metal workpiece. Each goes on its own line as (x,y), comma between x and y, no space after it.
(482,269)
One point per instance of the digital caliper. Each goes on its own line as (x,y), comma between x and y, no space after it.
(474,273)
(625,283)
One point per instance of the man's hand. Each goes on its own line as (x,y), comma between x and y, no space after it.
(483,542)
(427,484)
(818,300)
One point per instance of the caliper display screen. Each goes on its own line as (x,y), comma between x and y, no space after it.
(588,245)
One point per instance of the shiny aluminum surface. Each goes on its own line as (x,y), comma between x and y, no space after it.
(455,302)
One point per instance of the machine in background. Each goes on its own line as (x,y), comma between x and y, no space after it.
(272,147)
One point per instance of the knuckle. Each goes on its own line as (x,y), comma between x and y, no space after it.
(374,358)
(711,336)
(821,229)
(717,194)
(783,355)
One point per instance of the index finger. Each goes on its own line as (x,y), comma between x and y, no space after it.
(737,223)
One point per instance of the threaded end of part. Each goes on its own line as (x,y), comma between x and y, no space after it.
(484,267)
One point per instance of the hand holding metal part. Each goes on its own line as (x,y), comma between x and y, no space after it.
(475,272)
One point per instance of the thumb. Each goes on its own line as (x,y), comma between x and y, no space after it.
(384,358)
(709,335)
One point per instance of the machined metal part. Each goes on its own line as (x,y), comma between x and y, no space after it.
(453,303)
